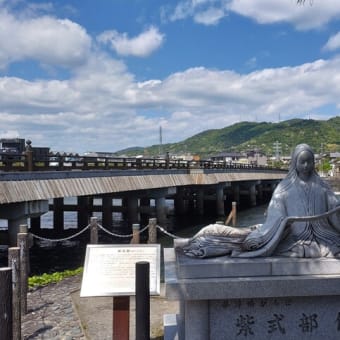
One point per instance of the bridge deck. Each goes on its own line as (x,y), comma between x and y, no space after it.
(20,187)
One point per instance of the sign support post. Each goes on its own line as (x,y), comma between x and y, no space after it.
(121,318)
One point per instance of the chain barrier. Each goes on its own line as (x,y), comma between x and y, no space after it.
(121,235)
(60,239)
(167,233)
(106,231)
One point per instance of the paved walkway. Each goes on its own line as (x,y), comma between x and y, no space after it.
(51,313)
(56,312)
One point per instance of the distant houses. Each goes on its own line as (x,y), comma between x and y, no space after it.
(13,148)
(251,157)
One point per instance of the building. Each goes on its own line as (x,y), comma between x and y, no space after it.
(252,157)
(13,148)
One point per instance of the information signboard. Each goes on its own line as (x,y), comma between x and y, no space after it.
(109,270)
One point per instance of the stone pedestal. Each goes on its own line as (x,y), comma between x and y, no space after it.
(263,298)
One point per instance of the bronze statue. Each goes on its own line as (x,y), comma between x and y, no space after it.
(303,220)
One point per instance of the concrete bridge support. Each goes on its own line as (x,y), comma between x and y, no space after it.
(260,192)
(58,215)
(236,193)
(132,207)
(220,200)
(181,206)
(35,224)
(145,202)
(200,201)
(161,210)
(252,193)
(83,211)
(107,219)
(18,213)
(145,210)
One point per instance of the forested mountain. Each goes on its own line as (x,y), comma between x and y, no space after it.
(322,135)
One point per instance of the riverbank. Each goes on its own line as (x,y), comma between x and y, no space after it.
(56,312)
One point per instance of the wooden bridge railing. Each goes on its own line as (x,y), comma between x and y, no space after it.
(27,162)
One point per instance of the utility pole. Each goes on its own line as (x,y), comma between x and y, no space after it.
(321,159)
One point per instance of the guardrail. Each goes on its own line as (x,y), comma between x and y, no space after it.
(26,162)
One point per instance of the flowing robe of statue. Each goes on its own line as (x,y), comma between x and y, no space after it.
(280,234)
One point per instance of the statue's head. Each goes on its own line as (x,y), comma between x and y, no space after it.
(303,161)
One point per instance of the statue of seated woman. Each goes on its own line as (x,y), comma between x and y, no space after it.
(303,220)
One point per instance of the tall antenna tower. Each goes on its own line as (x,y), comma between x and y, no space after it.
(160,141)
(277,150)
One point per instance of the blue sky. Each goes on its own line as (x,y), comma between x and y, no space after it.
(103,75)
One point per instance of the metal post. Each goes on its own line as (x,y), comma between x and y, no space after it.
(152,231)
(121,318)
(6,327)
(14,263)
(142,301)
(24,256)
(94,230)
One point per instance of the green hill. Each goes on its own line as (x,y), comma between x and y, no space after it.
(320,134)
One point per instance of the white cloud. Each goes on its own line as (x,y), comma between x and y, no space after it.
(302,17)
(45,39)
(104,108)
(140,46)
(211,16)
(206,12)
(333,43)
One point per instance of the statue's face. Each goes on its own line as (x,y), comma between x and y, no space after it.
(305,165)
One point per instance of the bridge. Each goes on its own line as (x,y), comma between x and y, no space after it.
(29,194)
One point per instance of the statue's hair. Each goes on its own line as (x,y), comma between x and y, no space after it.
(292,175)
(298,149)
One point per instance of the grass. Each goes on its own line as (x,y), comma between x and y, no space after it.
(45,279)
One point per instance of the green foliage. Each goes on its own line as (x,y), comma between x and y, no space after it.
(45,279)
(249,135)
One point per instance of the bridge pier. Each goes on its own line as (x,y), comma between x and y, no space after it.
(260,192)
(18,213)
(200,201)
(133,213)
(181,204)
(236,192)
(35,224)
(220,200)
(58,215)
(252,193)
(83,212)
(161,210)
(107,219)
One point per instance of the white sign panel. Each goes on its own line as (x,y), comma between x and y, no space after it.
(110,269)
